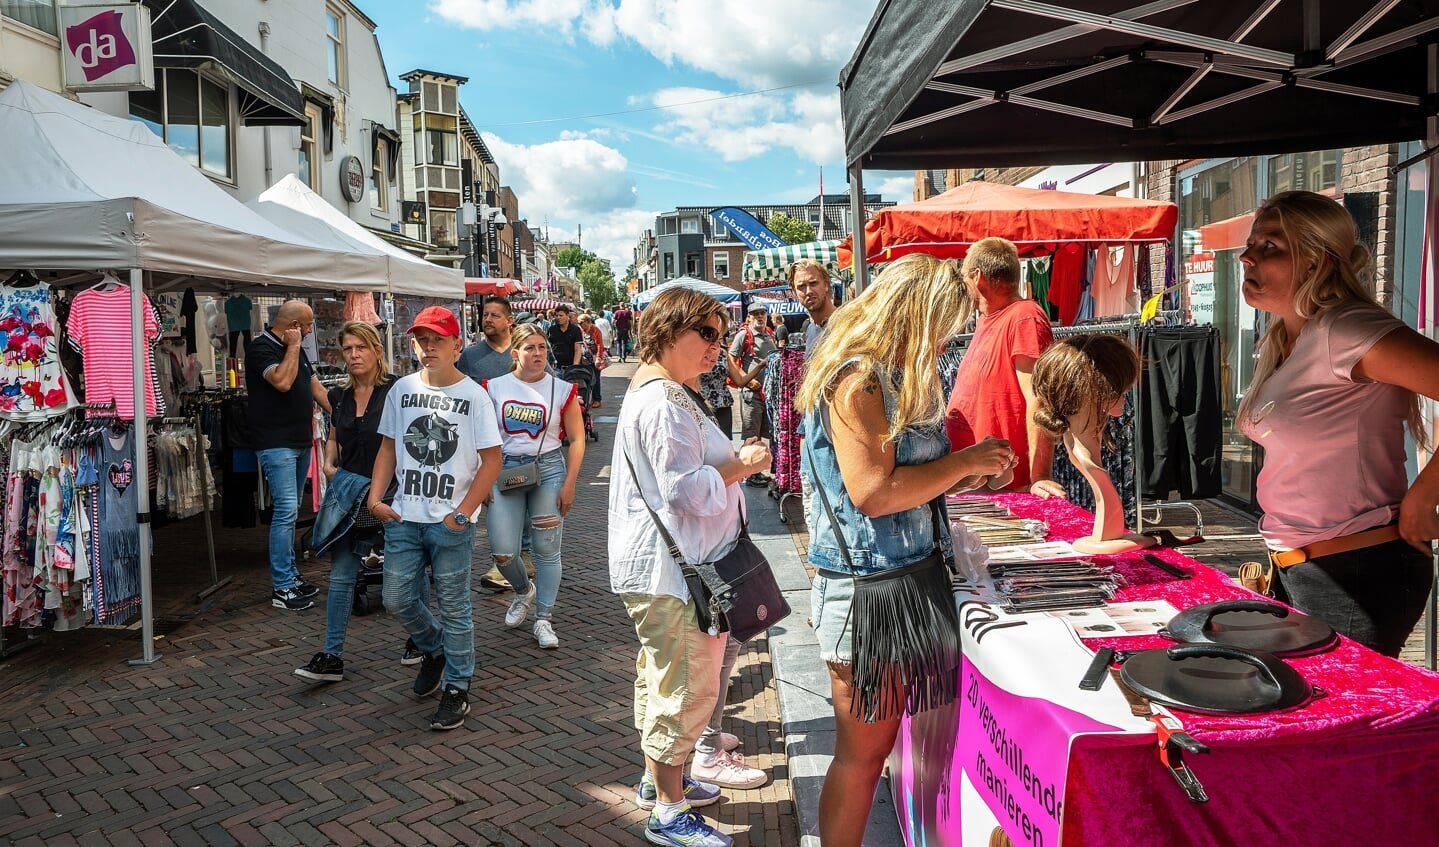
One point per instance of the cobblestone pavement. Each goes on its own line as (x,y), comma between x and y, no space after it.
(219,744)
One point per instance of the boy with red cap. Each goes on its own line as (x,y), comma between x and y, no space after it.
(449,461)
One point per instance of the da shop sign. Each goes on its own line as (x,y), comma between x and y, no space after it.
(107,48)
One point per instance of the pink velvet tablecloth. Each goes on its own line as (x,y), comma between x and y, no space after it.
(1357,766)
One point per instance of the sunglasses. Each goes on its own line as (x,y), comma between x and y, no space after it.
(707,332)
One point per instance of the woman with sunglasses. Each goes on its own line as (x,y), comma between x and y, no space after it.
(536,412)
(670,459)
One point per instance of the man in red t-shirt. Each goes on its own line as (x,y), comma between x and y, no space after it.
(622,320)
(992,389)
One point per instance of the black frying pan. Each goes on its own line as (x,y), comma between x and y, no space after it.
(1252,625)
(1216,679)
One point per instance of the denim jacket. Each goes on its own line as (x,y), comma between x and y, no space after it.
(337,510)
(875,544)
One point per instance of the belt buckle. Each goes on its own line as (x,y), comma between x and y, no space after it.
(1286,559)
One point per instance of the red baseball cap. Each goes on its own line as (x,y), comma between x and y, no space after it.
(436,318)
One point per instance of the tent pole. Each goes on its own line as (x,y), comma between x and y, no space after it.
(142,469)
(1430,267)
(389,306)
(856,222)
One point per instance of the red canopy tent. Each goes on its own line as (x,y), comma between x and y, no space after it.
(1033,219)
(484,286)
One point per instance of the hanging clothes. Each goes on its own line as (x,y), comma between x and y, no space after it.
(1112,286)
(23,601)
(115,544)
(99,326)
(1037,271)
(1065,284)
(33,384)
(1181,417)
(360,306)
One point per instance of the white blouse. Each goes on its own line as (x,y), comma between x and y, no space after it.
(675,450)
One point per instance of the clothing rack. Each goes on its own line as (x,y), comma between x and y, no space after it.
(215,582)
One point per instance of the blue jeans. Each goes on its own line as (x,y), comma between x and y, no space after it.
(285,469)
(512,513)
(411,548)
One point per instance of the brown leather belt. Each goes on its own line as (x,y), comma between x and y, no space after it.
(1342,544)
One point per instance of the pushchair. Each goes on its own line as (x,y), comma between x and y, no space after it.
(583,376)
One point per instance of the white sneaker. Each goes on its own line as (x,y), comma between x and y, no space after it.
(520,608)
(545,634)
(728,770)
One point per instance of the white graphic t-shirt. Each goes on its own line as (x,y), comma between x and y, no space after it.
(530,422)
(438,434)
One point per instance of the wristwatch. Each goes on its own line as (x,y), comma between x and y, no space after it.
(461,518)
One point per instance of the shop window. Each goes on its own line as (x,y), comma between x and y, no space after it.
(37,13)
(442,228)
(309,164)
(192,113)
(378,183)
(335,44)
(721,266)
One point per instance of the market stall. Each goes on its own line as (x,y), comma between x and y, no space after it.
(84,194)
(764,266)
(722,293)
(486,286)
(1029,752)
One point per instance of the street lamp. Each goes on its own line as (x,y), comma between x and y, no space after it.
(477,216)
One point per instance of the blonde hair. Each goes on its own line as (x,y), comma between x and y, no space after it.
(813,264)
(897,327)
(1319,232)
(1082,373)
(370,337)
(675,311)
(995,259)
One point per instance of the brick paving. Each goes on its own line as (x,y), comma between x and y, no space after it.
(219,744)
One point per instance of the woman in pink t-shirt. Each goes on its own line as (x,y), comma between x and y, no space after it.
(1338,378)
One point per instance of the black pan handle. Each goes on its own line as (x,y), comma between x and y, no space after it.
(1262,606)
(1264,663)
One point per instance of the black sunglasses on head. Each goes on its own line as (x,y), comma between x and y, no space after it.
(707,332)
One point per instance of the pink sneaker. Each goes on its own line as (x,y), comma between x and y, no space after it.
(728,770)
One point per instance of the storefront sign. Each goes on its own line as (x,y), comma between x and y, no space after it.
(412,212)
(1199,278)
(107,48)
(352,178)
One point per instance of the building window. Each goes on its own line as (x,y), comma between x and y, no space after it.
(689,226)
(37,13)
(722,266)
(335,41)
(667,226)
(442,228)
(720,232)
(438,143)
(309,164)
(669,266)
(192,114)
(693,263)
(378,183)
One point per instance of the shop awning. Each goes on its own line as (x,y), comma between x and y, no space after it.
(186,35)
(722,293)
(761,265)
(484,287)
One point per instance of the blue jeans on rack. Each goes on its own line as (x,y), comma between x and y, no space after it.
(285,469)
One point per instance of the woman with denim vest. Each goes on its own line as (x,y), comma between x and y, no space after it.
(878,458)
(349,456)
(536,412)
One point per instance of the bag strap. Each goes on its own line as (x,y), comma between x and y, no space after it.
(550,411)
(654,516)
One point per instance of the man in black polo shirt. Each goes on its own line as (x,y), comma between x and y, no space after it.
(283,392)
(567,342)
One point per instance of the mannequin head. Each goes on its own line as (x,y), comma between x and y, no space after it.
(1080,382)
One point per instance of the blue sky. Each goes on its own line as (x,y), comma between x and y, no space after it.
(603,112)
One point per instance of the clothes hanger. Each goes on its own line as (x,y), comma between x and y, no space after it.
(22,279)
(108,282)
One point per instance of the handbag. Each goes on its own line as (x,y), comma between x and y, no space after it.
(737,593)
(525,476)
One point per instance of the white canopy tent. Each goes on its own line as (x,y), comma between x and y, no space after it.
(84,190)
(291,205)
(718,292)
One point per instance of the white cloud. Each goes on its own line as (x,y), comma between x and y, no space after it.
(566,179)
(900,189)
(757,43)
(614,236)
(739,128)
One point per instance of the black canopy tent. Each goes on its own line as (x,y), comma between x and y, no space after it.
(1017,82)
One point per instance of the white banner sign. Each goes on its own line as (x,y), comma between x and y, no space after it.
(107,48)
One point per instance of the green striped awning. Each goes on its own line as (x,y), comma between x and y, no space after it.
(760,265)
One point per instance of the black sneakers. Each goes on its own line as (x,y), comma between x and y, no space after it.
(290,599)
(412,655)
(323,667)
(305,589)
(454,705)
(432,670)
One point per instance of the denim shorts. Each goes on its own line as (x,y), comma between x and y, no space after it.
(830,601)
